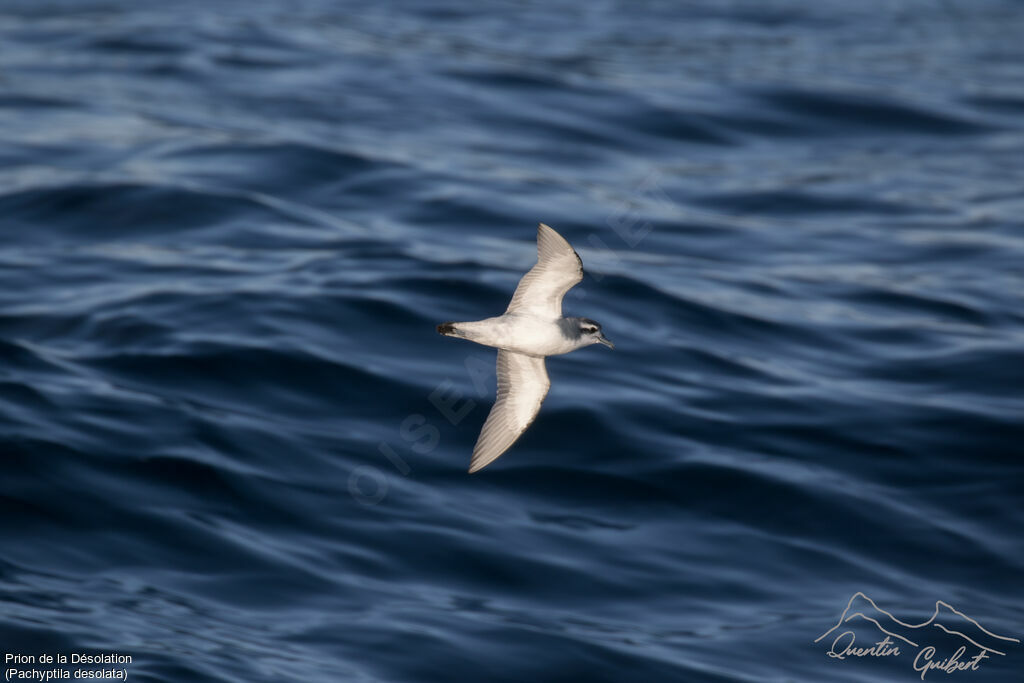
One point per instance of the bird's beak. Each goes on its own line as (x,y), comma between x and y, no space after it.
(601,339)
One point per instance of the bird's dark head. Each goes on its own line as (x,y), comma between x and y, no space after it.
(590,332)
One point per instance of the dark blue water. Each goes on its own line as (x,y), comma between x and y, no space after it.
(234,447)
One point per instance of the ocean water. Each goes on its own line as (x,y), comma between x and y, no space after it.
(234,448)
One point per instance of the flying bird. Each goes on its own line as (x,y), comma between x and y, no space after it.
(531,329)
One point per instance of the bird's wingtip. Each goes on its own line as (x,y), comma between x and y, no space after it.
(446,328)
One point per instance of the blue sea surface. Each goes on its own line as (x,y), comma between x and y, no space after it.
(234,448)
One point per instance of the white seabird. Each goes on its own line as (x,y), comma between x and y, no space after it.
(530,329)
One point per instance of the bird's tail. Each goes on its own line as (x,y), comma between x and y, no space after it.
(448,329)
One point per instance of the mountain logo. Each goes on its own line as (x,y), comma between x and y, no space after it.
(948,629)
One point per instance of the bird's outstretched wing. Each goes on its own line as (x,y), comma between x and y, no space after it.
(558,268)
(522,385)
